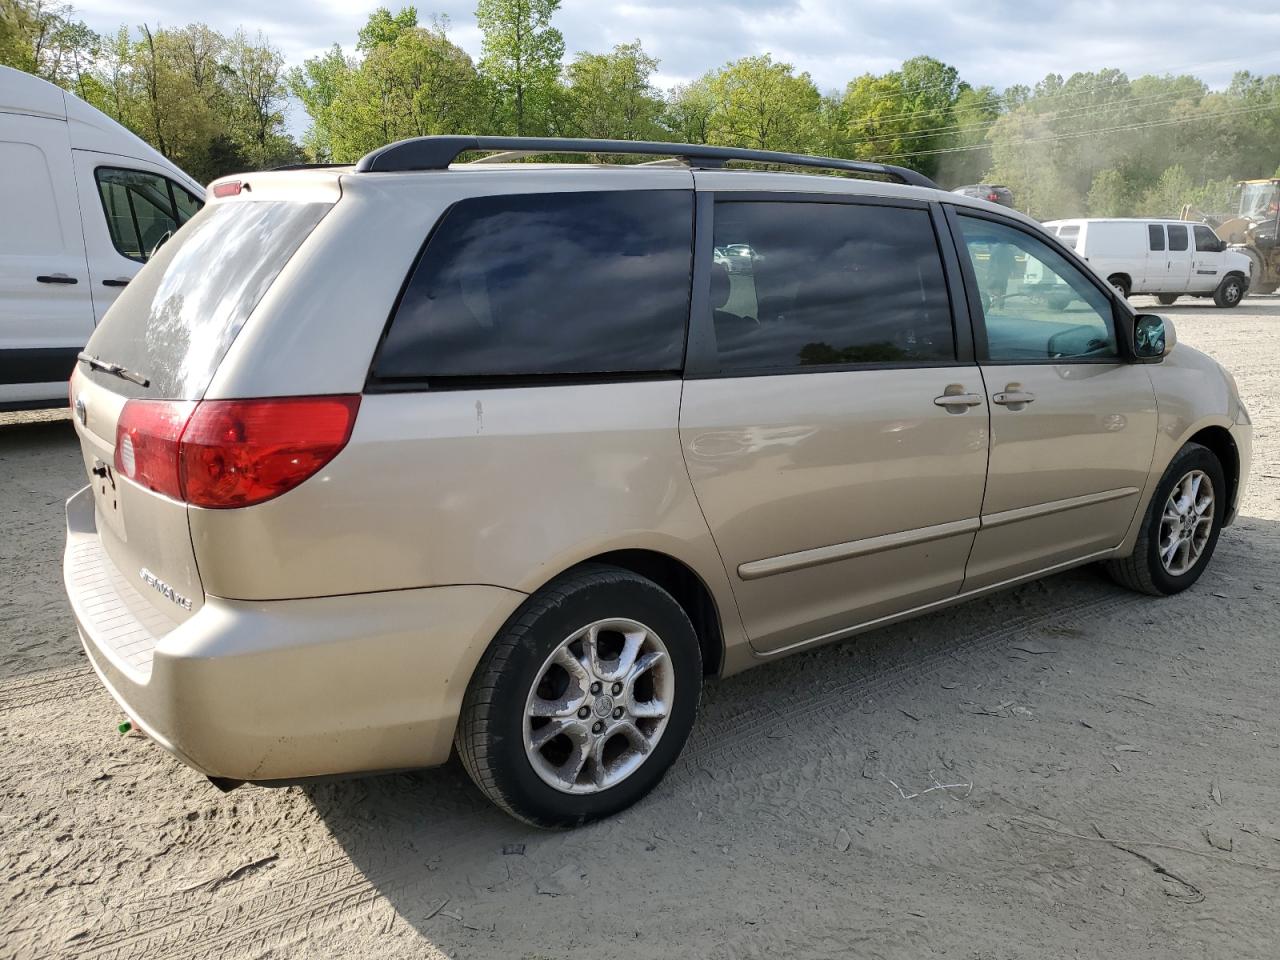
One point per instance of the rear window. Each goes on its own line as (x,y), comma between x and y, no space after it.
(566,284)
(175,321)
(1155,236)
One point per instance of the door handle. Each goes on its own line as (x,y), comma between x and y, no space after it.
(958,400)
(1013,396)
(55,278)
(122,282)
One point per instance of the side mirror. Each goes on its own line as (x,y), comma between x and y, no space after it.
(1222,245)
(1153,337)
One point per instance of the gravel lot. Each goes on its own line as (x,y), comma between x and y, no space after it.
(805,818)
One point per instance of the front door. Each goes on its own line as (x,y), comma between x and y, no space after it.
(1073,425)
(1206,260)
(835,434)
(45,311)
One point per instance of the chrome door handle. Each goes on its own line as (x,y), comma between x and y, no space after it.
(1008,398)
(958,400)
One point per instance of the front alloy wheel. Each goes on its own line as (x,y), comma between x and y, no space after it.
(1187,523)
(1180,528)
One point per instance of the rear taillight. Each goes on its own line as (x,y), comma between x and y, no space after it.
(230,453)
(993,197)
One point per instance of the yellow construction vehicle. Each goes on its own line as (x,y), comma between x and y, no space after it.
(1254,230)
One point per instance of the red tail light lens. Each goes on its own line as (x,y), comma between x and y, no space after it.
(147,436)
(231,453)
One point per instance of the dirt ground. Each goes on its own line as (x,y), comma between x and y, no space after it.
(941,788)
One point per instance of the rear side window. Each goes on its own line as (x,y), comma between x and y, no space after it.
(1177,237)
(817,284)
(548,284)
(175,321)
(143,209)
(1155,236)
(1206,240)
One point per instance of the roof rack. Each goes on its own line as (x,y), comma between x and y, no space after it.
(436,153)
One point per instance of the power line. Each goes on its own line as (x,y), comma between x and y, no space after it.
(995,99)
(1084,133)
(1064,114)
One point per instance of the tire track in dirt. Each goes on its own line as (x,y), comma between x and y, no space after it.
(30,689)
(309,904)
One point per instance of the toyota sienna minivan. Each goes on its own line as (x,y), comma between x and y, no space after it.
(420,455)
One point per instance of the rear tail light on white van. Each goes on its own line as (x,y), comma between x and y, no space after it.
(230,453)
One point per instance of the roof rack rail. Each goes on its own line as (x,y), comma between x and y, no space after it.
(436,153)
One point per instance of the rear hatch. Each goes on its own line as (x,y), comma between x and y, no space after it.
(153,357)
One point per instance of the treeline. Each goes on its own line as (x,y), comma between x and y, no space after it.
(1100,143)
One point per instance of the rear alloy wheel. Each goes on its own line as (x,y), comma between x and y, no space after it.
(1229,293)
(583,700)
(1167,299)
(1180,530)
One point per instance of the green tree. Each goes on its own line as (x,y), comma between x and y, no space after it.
(906,115)
(764,105)
(521,61)
(688,112)
(316,84)
(610,95)
(1110,195)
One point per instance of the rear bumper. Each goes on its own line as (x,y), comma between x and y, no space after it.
(276,690)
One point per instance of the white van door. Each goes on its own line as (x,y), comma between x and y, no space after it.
(1152,276)
(1206,260)
(46,314)
(1177,275)
(130,207)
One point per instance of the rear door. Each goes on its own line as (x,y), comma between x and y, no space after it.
(833,424)
(130,209)
(1178,259)
(1072,423)
(45,311)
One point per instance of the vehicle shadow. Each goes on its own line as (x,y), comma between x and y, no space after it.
(470,881)
(1266,305)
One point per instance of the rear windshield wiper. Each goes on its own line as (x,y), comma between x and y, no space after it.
(114,369)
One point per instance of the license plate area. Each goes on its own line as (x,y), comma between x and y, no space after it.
(106,495)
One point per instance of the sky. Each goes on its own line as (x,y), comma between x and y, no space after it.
(997,42)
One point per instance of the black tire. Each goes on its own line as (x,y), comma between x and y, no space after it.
(1059,301)
(1143,571)
(1121,284)
(491,734)
(1229,293)
(1167,299)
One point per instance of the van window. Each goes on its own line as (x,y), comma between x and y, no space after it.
(1177,237)
(1036,305)
(1069,235)
(819,284)
(1155,236)
(175,321)
(1206,240)
(555,283)
(143,209)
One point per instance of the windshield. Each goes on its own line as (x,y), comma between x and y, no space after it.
(175,321)
(1260,201)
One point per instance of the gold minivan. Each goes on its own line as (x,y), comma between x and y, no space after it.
(418,455)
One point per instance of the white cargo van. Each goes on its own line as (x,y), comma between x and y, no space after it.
(83,204)
(1167,258)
